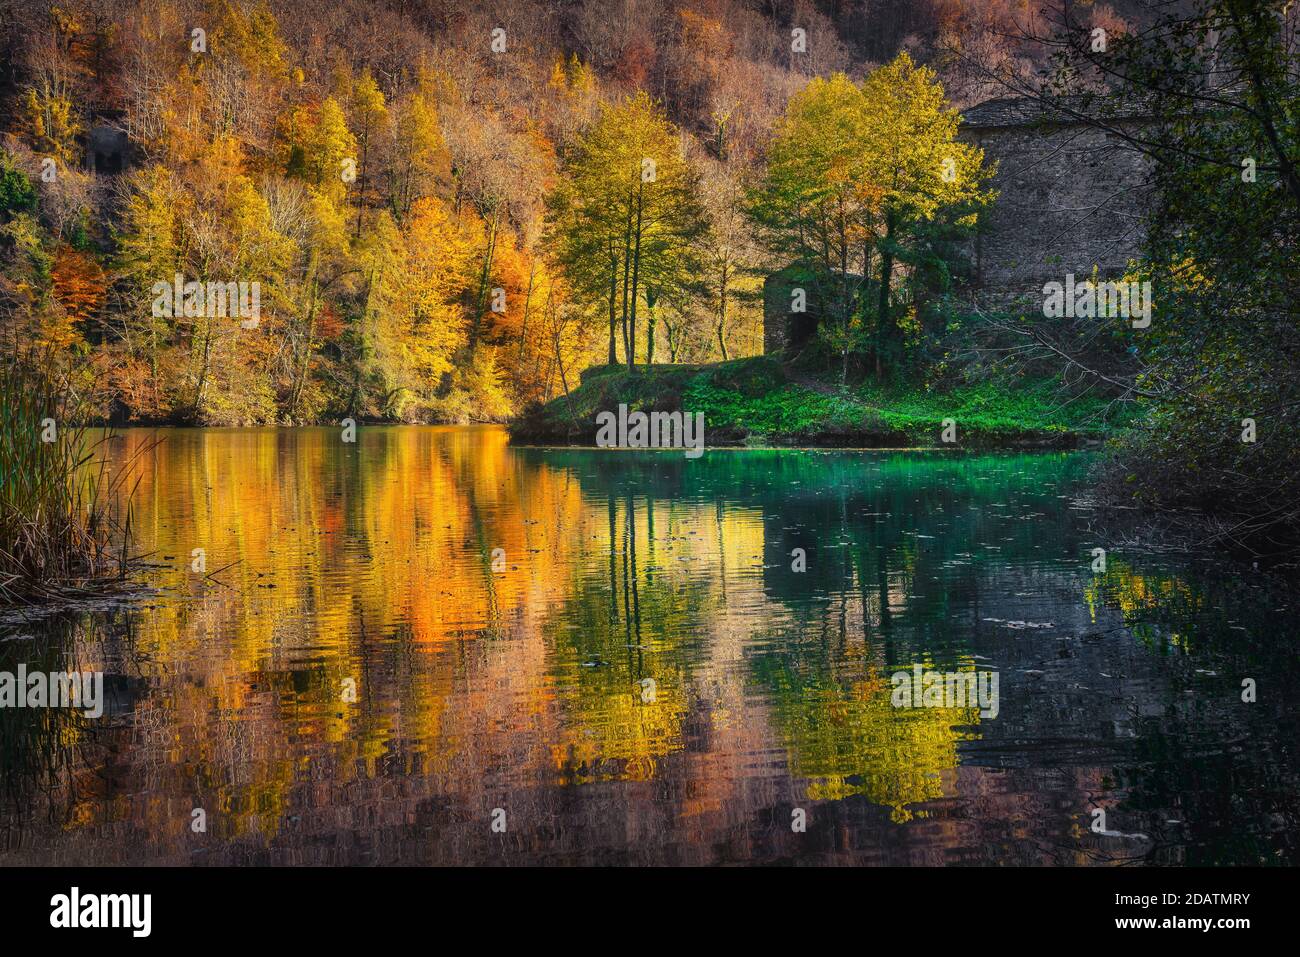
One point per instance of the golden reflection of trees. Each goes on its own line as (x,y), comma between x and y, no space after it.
(1141,595)
(614,727)
(325,557)
(849,739)
(374,563)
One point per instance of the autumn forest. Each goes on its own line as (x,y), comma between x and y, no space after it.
(448,211)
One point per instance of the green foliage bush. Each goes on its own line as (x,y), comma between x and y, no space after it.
(17,194)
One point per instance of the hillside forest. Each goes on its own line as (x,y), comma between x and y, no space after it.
(450,210)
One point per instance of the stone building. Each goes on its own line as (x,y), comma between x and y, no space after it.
(107,149)
(1070,200)
(788,331)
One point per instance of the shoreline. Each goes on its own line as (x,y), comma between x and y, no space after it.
(828,441)
(1070,444)
(758,402)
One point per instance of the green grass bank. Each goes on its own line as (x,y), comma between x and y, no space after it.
(756,402)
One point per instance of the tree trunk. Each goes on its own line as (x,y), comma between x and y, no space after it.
(636,279)
(361,190)
(613,299)
(528,301)
(651,298)
(295,395)
(485,278)
(722,314)
(203,369)
(885,335)
(628,345)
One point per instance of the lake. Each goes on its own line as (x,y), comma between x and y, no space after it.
(430,647)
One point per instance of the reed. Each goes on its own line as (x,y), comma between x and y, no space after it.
(65,522)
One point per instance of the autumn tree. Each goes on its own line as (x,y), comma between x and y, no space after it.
(923,172)
(369,117)
(626,216)
(419,159)
(729,254)
(818,205)
(151,248)
(313,153)
(320,148)
(854,176)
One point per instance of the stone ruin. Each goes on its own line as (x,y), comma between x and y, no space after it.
(1070,199)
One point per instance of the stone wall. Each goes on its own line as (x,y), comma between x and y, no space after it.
(784,330)
(1070,199)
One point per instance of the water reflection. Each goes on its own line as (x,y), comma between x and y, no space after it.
(615,649)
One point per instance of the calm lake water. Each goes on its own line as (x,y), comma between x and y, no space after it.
(517,679)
